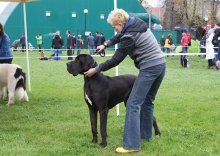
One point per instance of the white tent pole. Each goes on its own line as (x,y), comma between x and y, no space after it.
(27,57)
(116,68)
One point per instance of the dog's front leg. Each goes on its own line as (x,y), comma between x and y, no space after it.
(103,125)
(93,120)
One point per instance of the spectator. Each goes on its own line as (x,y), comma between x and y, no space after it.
(99,40)
(209,49)
(137,41)
(203,43)
(215,42)
(23,42)
(39,41)
(103,38)
(103,41)
(69,45)
(162,43)
(184,42)
(57,44)
(74,43)
(15,44)
(189,40)
(168,43)
(79,44)
(5,52)
(91,43)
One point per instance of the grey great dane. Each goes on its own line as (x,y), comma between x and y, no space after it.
(102,93)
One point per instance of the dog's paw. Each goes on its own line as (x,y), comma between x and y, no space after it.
(8,104)
(103,144)
(157,134)
(94,140)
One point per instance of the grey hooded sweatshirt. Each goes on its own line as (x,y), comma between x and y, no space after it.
(137,41)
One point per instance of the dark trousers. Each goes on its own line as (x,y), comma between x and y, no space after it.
(39,47)
(70,54)
(23,47)
(6,61)
(210,62)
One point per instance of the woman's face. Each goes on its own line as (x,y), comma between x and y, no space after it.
(118,27)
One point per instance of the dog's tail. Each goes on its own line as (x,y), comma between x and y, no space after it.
(20,89)
(20,92)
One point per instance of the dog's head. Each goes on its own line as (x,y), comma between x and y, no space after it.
(82,63)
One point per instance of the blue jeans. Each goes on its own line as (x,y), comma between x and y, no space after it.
(168,51)
(91,49)
(216,55)
(78,51)
(73,48)
(138,123)
(57,54)
(184,49)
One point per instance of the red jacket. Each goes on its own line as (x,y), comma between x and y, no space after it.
(184,41)
(189,38)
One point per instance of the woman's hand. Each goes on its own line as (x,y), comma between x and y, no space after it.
(90,72)
(100,48)
(218,63)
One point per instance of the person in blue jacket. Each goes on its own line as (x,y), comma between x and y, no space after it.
(91,42)
(5,51)
(23,42)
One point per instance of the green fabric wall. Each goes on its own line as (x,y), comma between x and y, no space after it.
(61,18)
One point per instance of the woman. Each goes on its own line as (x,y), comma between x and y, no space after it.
(209,49)
(168,43)
(57,44)
(5,52)
(79,44)
(137,41)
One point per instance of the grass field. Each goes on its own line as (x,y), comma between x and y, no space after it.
(55,122)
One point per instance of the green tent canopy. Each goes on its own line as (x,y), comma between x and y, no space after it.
(145,17)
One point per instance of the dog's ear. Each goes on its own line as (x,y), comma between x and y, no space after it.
(88,62)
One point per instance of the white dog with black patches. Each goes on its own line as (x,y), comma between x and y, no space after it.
(12,77)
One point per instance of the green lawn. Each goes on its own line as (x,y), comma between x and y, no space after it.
(55,122)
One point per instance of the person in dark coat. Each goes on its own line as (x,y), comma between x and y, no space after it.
(69,45)
(162,43)
(99,40)
(57,44)
(216,44)
(23,43)
(74,43)
(103,41)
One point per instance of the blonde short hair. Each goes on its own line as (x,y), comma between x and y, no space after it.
(117,16)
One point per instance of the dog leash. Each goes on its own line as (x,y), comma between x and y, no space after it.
(102,54)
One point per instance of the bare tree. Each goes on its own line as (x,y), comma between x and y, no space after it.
(215,7)
(152,3)
(169,15)
(185,11)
